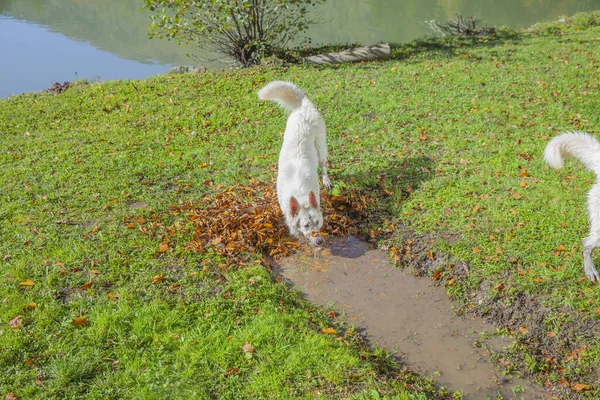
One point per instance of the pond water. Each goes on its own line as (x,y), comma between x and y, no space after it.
(47,41)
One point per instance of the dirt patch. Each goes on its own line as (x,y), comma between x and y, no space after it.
(401,312)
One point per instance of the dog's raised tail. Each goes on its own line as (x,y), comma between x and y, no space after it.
(284,93)
(579,145)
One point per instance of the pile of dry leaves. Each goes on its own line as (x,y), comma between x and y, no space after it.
(246,218)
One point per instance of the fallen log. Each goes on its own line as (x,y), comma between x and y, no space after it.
(368,53)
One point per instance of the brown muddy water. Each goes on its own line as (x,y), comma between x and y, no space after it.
(405,314)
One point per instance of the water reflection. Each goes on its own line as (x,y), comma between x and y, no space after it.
(372,21)
(43,41)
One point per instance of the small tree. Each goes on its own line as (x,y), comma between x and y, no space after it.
(244,30)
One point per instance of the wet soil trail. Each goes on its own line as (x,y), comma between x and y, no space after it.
(404,313)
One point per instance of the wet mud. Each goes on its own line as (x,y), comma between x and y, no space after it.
(405,314)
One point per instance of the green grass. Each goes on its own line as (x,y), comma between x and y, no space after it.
(454,123)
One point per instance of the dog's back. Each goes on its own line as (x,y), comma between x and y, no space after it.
(303,150)
(298,159)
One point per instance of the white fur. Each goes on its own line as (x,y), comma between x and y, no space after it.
(304,149)
(586,149)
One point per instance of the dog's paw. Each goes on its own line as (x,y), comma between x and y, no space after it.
(592,274)
(327,182)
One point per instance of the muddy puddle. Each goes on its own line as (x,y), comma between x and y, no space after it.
(405,314)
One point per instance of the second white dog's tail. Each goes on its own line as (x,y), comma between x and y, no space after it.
(284,93)
(579,145)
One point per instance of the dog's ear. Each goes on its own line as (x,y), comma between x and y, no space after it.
(313,200)
(294,206)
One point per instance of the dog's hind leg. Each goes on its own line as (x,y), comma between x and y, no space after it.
(321,146)
(589,244)
(593,240)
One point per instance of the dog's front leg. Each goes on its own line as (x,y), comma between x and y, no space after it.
(326,180)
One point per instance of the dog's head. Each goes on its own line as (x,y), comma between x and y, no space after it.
(308,220)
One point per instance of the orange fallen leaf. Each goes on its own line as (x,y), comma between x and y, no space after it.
(476,250)
(451,282)
(538,279)
(112,295)
(32,305)
(157,278)
(563,381)
(430,255)
(580,387)
(27,282)
(522,329)
(551,334)
(329,331)
(437,275)
(81,321)
(232,371)
(499,286)
(86,285)
(164,246)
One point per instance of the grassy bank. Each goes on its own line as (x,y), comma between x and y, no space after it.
(447,136)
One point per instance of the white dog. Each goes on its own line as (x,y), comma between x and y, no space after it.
(304,149)
(586,149)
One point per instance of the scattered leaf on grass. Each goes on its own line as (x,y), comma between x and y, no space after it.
(329,331)
(551,334)
(27,282)
(499,286)
(32,305)
(476,250)
(81,321)
(437,275)
(248,348)
(86,285)
(164,246)
(15,323)
(232,371)
(580,387)
(157,278)
(451,282)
